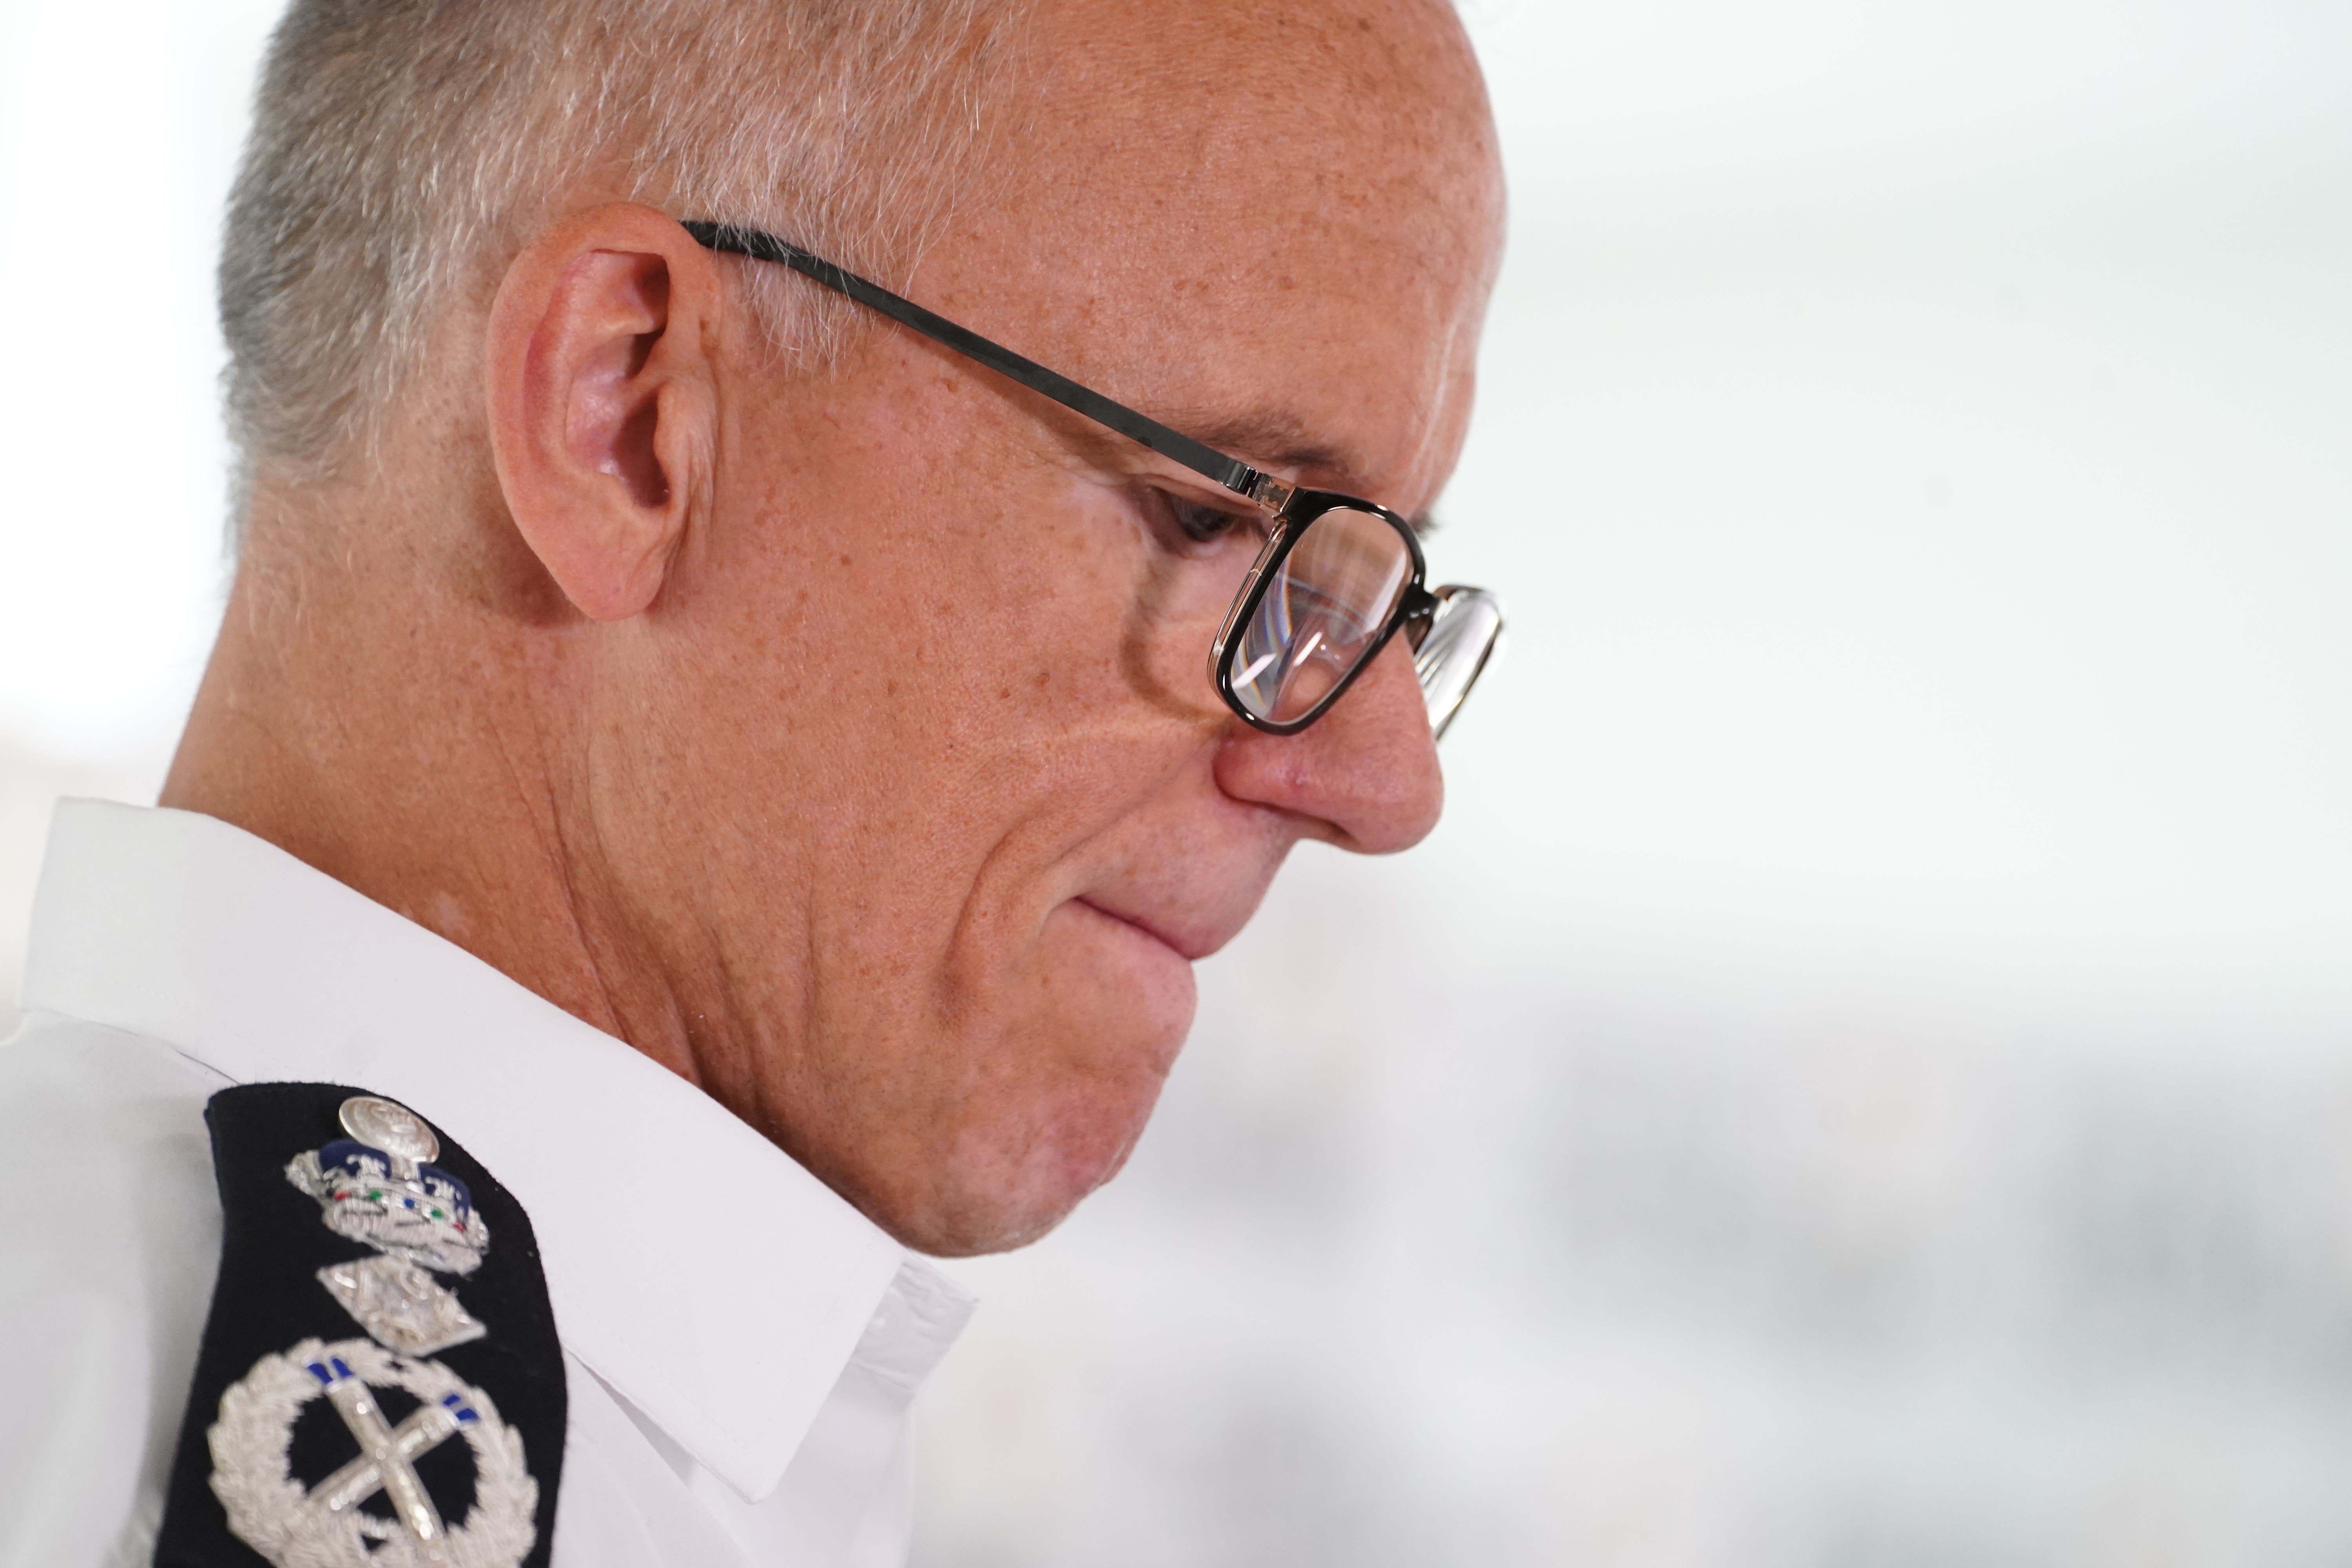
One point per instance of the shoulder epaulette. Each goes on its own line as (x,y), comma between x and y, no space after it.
(434,1434)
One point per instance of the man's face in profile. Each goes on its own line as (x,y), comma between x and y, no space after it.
(913,782)
(904,774)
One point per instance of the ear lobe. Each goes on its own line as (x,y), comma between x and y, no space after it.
(601,404)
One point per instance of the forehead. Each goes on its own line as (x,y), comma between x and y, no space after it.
(1277,220)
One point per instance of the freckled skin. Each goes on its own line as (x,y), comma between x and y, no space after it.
(895,813)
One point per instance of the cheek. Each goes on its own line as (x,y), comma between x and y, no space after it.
(1114,625)
(1189,596)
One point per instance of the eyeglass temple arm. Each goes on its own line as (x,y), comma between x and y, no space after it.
(1207,461)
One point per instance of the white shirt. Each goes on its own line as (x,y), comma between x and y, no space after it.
(741,1344)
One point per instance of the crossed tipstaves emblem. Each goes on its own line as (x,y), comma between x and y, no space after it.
(325,1524)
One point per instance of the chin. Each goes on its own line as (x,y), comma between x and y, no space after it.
(1011,1186)
(1028,1145)
(1047,1101)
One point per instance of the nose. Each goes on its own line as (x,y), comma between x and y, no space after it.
(1366,773)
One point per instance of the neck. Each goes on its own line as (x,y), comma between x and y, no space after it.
(397,732)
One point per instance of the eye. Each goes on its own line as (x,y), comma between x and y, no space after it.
(1201,523)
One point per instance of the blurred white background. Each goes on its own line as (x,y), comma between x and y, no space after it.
(1864,1075)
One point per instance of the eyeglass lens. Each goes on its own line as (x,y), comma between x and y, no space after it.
(1328,602)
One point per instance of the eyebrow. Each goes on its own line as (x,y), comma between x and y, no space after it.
(1275,439)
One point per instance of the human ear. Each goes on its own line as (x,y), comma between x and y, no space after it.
(601,408)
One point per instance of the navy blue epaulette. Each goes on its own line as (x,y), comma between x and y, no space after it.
(380,1380)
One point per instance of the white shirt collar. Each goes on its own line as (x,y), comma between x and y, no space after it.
(691,1264)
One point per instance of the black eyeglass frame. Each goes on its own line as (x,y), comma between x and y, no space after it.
(1290,509)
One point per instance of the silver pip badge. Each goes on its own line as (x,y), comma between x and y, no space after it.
(380,1186)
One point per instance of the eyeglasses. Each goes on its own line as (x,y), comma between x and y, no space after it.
(1335,579)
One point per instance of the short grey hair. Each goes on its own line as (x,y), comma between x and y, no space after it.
(403,150)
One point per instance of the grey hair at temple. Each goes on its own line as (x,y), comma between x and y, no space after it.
(403,150)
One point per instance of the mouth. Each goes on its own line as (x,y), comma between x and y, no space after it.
(1190,951)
